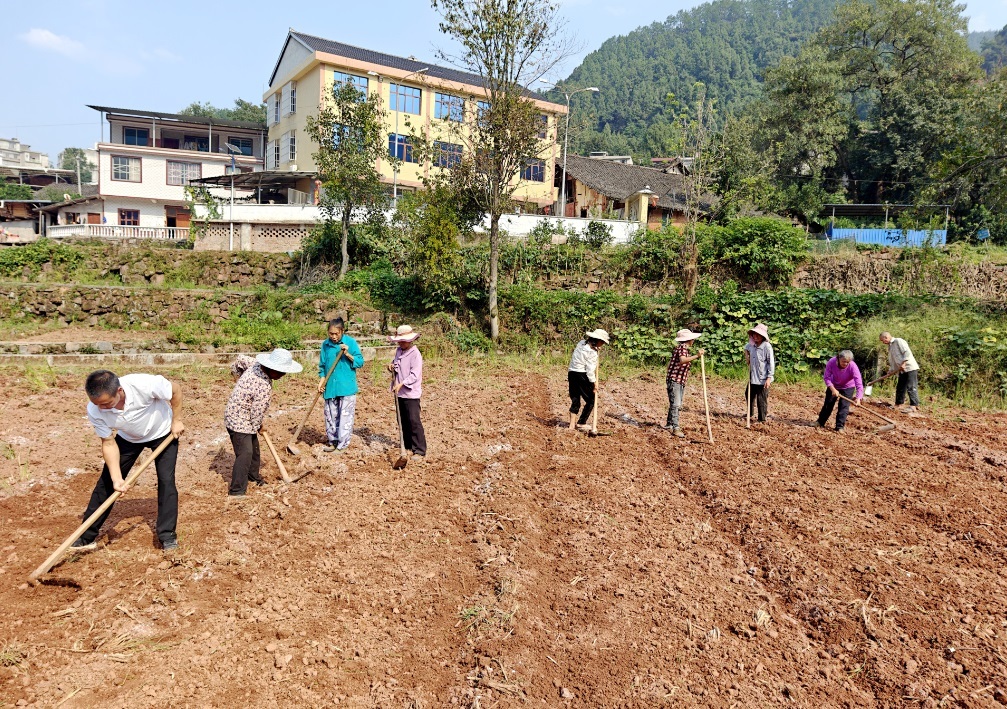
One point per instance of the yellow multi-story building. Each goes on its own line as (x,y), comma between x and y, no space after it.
(418,97)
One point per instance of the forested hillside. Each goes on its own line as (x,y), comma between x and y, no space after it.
(647,75)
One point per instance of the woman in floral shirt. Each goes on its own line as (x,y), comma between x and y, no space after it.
(246,407)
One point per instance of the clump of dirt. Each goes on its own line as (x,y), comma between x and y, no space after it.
(521,563)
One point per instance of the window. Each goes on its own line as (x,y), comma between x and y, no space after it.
(400,147)
(448,107)
(134,136)
(447,154)
(482,108)
(534,171)
(129,217)
(125,169)
(275,103)
(270,164)
(289,98)
(543,131)
(404,98)
(195,142)
(291,146)
(339,78)
(276,153)
(71,217)
(179,173)
(242,144)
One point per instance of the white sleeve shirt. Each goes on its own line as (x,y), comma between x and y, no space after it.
(585,359)
(146,414)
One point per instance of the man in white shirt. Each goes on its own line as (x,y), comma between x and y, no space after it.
(901,360)
(129,414)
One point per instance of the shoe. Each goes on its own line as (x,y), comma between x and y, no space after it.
(339,450)
(908,410)
(328,448)
(169,545)
(819,424)
(677,432)
(236,494)
(81,545)
(417,458)
(841,430)
(261,482)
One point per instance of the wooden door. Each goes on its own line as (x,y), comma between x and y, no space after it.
(182,218)
(93,218)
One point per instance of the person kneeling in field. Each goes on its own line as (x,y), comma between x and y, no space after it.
(131,413)
(582,376)
(842,376)
(340,392)
(678,374)
(246,407)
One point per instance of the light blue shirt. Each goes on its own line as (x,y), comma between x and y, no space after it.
(762,362)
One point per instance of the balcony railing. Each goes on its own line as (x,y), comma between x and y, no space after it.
(108,231)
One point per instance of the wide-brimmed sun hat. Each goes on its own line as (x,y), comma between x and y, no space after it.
(404,333)
(598,334)
(279,360)
(686,335)
(760,329)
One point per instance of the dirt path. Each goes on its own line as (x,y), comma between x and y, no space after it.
(522,564)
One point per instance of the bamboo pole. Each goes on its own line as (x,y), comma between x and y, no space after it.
(706,401)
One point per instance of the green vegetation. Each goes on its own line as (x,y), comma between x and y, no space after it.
(15,191)
(242,111)
(13,262)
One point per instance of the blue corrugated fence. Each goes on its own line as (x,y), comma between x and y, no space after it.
(891,237)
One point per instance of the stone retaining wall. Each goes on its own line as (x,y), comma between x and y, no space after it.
(121,306)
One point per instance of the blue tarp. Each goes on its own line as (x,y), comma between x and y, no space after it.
(891,237)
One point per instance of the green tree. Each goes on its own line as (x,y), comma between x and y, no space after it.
(242,111)
(350,134)
(68,159)
(510,44)
(994,52)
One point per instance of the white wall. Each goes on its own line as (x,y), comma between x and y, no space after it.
(153,173)
(523,224)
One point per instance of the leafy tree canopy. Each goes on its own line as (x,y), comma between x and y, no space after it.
(242,111)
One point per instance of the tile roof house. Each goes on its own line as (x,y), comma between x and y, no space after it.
(651,196)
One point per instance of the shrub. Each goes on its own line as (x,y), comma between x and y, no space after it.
(762,250)
(598,235)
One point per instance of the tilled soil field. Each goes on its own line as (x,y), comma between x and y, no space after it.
(522,565)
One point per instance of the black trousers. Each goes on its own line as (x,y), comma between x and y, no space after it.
(246,461)
(760,400)
(413,436)
(167,494)
(907,383)
(830,403)
(581,388)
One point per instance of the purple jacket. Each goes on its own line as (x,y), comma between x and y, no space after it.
(408,366)
(843,378)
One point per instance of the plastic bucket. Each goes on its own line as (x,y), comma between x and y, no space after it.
(867,390)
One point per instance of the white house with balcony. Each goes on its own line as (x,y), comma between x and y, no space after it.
(143,169)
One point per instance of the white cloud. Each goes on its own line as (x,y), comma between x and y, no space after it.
(120,63)
(44,39)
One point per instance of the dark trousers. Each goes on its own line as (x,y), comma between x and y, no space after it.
(908,383)
(167,494)
(246,461)
(760,400)
(830,403)
(581,388)
(412,427)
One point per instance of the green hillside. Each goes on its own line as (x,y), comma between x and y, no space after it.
(647,75)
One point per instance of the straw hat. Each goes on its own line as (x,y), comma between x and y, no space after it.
(404,333)
(279,360)
(686,335)
(598,334)
(760,329)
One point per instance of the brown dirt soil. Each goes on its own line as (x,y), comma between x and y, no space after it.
(522,565)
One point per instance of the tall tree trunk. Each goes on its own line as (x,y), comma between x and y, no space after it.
(346,238)
(494,259)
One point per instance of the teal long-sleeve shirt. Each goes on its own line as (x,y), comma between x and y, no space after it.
(343,381)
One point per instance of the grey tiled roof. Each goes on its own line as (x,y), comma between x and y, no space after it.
(619,181)
(320,44)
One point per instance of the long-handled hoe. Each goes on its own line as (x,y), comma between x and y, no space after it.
(86,524)
(292,445)
(890,424)
(403,459)
(279,463)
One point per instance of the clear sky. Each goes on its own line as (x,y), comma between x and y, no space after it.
(161,56)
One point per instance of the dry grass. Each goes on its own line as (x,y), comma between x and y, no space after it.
(12,654)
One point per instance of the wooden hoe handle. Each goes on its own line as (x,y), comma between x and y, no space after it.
(86,524)
(297,433)
(279,463)
(864,408)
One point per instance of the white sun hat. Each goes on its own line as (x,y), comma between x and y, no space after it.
(598,334)
(404,333)
(279,360)
(686,335)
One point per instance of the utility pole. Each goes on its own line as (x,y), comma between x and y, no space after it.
(79,189)
(566,141)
